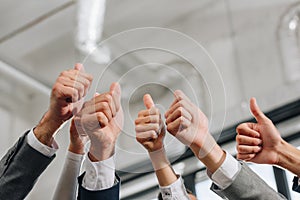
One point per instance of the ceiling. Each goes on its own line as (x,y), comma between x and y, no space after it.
(220,53)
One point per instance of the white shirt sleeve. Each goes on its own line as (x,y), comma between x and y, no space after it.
(175,191)
(67,185)
(99,175)
(225,175)
(40,147)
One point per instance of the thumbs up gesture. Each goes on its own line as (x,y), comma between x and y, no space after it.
(101,119)
(258,142)
(150,130)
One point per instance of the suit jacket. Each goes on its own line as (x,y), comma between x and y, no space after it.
(247,186)
(107,194)
(22,165)
(20,169)
(296,186)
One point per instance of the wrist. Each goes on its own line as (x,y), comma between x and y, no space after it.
(214,159)
(46,128)
(203,146)
(76,150)
(288,157)
(159,159)
(281,152)
(98,154)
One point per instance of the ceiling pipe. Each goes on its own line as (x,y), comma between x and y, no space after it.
(23,79)
(90,20)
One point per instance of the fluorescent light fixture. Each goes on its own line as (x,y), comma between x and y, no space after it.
(90,19)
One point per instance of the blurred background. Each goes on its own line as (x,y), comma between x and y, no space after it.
(254,46)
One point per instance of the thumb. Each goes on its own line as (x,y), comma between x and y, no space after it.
(115,88)
(148,101)
(115,91)
(79,67)
(255,110)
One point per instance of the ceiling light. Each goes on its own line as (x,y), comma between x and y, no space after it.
(90,19)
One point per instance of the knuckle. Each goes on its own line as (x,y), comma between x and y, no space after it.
(63,73)
(181,119)
(137,128)
(153,135)
(239,128)
(238,139)
(137,121)
(239,148)
(107,97)
(156,127)
(181,103)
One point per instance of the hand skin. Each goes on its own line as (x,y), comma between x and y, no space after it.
(66,99)
(101,119)
(261,143)
(150,132)
(77,142)
(188,124)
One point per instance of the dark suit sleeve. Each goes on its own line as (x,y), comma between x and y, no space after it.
(296,186)
(107,194)
(247,185)
(20,168)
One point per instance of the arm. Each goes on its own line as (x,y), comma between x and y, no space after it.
(67,185)
(36,149)
(187,123)
(150,132)
(261,143)
(101,119)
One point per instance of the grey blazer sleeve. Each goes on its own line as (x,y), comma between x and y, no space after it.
(20,169)
(247,185)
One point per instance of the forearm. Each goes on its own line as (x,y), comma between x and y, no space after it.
(209,153)
(288,158)
(164,172)
(46,128)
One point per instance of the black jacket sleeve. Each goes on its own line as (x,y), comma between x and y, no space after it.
(106,194)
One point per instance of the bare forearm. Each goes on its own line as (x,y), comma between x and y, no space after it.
(289,158)
(213,158)
(164,172)
(46,128)
(166,176)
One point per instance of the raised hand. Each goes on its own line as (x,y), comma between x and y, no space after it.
(258,142)
(186,121)
(66,99)
(150,130)
(190,125)
(101,119)
(68,92)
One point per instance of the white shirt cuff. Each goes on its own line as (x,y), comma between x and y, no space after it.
(225,175)
(74,157)
(40,147)
(99,175)
(298,181)
(174,191)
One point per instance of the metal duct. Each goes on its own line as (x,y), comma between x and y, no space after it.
(90,19)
